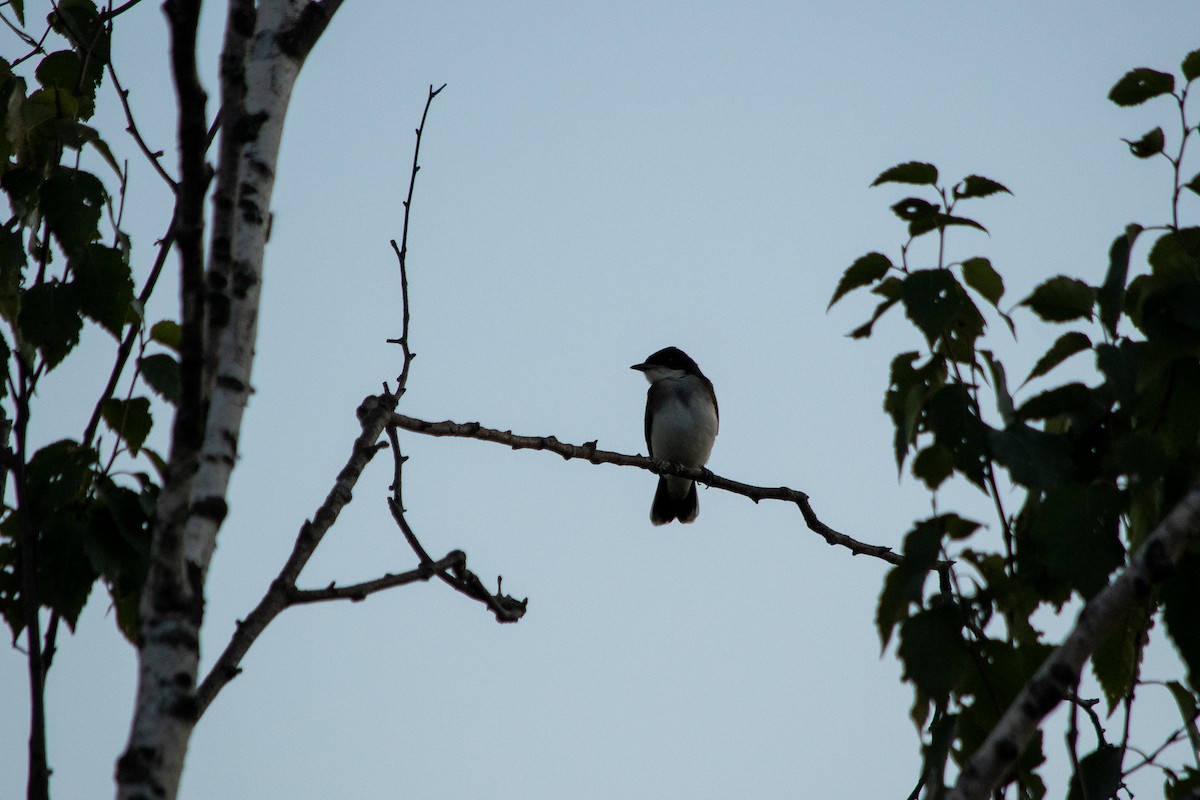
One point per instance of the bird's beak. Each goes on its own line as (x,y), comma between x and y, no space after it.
(640,367)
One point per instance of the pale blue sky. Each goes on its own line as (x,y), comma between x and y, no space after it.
(600,181)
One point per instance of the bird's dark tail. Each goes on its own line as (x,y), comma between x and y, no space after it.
(667,507)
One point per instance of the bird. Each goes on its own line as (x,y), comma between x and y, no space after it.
(681,425)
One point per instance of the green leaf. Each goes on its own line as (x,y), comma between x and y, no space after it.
(977,186)
(161,373)
(905,582)
(865,270)
(1111,296)
(1035,459)
(49,320)
(19,9)
(1115,661)
(1066,399)
(1194,184)
(1176,255)
(980,276)
(925,224)
(1139,85)
(913,208)
(1004,401)
(73,201)
(65,576)
(1061,299)
(1064,347)
(1181,612)
(1099,775)
(1149,145)
(1191,66)
(1187,711)
(863,331)
(908,389)
(950,416)
(933,465)
(166,332)
(59,69)
(1074,534)
(932,649)
(909,172)
(105,286)
(129,419)
(933,300)
(75,135)
(43,107)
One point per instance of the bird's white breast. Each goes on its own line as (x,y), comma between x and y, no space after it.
(683,431)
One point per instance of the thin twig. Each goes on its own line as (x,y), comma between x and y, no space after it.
(153,156)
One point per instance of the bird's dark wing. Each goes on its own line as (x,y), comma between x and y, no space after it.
(649,398)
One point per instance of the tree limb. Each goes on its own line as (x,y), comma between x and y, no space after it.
(1153,562)
(590,452)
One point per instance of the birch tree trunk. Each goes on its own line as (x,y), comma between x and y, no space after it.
(265,46)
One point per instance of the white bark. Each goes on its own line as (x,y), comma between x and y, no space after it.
(172,608)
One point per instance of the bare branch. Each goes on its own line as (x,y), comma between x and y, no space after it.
(355,592)
(589,452)
(153,156)
(1152,563)
(373,414)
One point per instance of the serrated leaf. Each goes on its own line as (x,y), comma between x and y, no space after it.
(1149,145)
(72,201)
(864,331)
(1064,347)
(932,299)
(49,320)
(915,172)
(1191,66)
(1066,399)
(933,465)
(105,286)
(65,576)
(161,373)
(1115,661)
(865,270)
(913,208)
(1004,401)
(978,186)
(1074,534)
(933,222)
(1176,255)
(904,584)
(76,135)
(1139,85)
(1194,184)
(980,276)
(1188,711)
(129,419)
(1111,296)
(950,415)
(1099,775)
(1035,459)
(932,650)
(166,332)
(1181,612)
(1061,299)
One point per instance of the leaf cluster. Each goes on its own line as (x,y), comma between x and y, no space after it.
(64,266)
(1096,464)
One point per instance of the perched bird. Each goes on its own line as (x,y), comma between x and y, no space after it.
(681,426)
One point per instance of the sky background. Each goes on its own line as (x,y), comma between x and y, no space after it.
(599,181)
